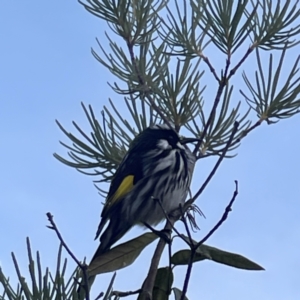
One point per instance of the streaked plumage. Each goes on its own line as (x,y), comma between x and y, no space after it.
(157,165)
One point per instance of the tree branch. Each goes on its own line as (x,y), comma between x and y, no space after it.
(147,287)
(222,84)
(212,173)
(210,66)
(211,232)
(234,69)
(188,273)
(223,219)
(124,294)
(83,267)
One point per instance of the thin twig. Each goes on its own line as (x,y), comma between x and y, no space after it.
(188,273)
(170,268)
(186,228)
(125,294)
(211,232)
(222,83)
(212,173)
(211,68)
(147,287)
(99,296)
(212,114)
(228,61)
(223,219)
(243,134)
(234,69)
(79,264)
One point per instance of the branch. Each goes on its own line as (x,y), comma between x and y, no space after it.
(190,264)
(211,232)
(186,229)
(224,217)
(243,134)
(147,287)
(211,68)
(212,173)
(222,84)
(211,116)
(124,294)
(234,69)
(188,274)
(79,264)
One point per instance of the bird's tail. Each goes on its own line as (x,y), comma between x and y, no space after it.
(114,231)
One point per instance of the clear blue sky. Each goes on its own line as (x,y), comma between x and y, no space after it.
(46,70)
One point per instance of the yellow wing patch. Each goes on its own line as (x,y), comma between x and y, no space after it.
(124,188)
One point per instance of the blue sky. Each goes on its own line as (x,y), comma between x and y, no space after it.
(46,70)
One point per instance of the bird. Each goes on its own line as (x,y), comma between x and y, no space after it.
(157,167)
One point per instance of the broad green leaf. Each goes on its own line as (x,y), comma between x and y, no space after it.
(207,252)
(182,257)
(163,283)
(121,256)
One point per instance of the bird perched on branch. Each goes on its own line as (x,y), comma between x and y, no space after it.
(158,165)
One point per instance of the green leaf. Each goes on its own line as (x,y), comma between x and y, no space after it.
(220,256)
(182,257)
(110,288)
(178,293)
(39,284)
(271,97)
(163,283)
(121,256)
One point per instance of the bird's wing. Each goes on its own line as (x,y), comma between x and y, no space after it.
(127,175)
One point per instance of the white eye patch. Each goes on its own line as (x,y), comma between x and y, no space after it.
(163,144)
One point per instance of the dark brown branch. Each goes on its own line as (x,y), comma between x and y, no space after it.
(212,173)
(147,287)
(191,259)
(211,232)
(234,69)
(170,268)
(125,294)
(99,296)
(223,219)
(210,66)
(222,83)
(186,229)
(83,267)
(245,132)
(228,61)
(188,273)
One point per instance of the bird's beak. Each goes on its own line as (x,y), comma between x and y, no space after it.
(189,140)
